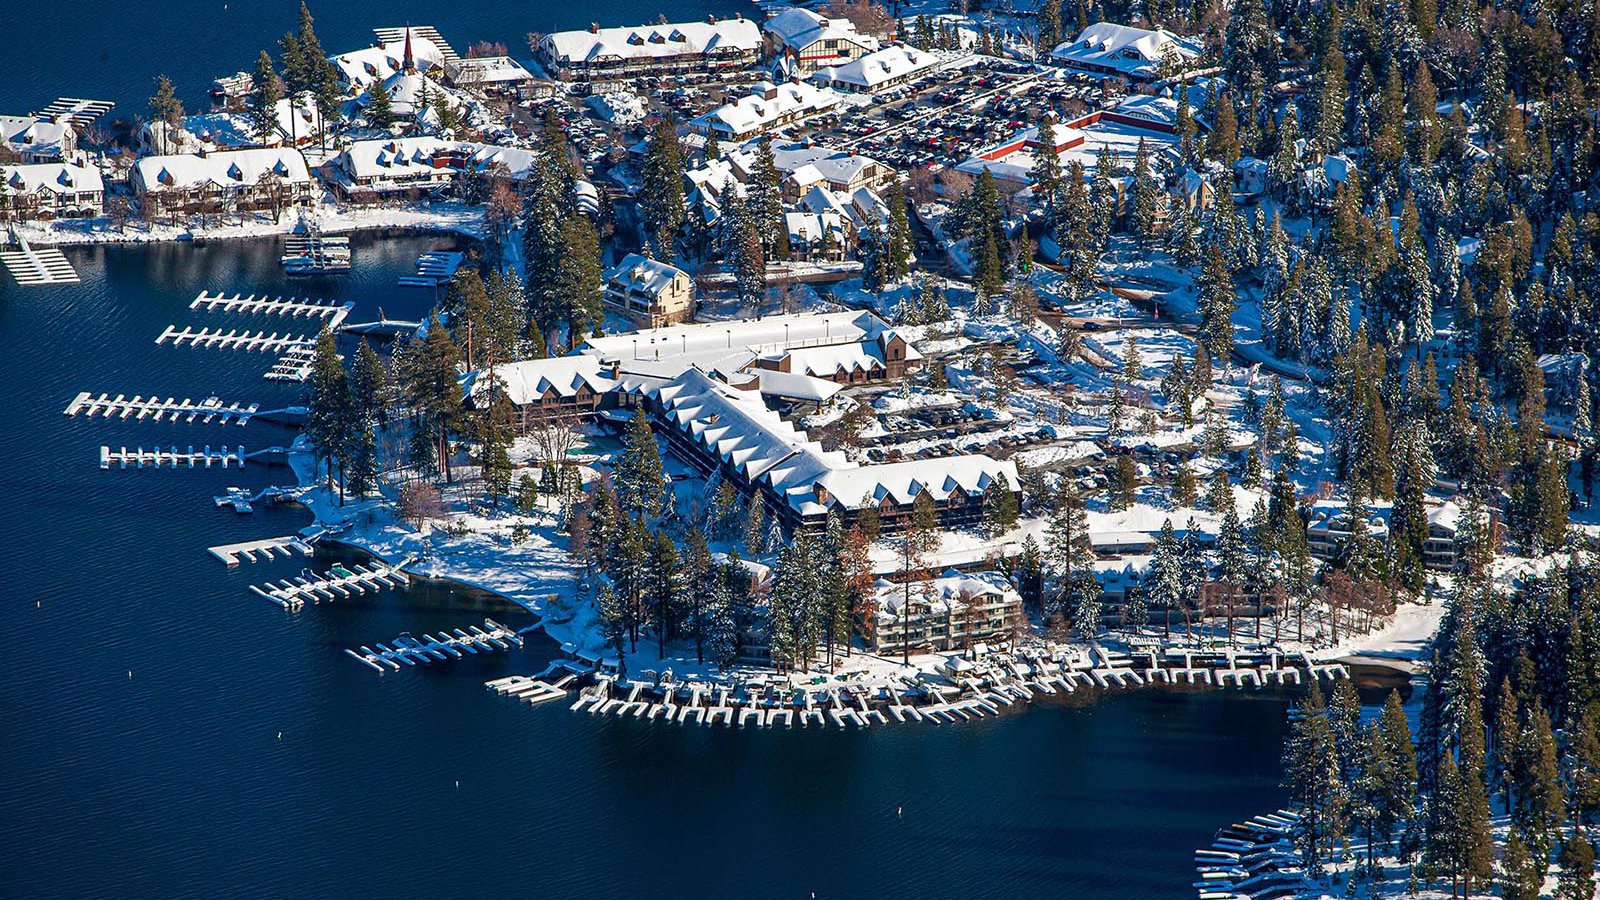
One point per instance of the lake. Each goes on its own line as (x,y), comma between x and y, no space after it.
(146,690)
(114,51)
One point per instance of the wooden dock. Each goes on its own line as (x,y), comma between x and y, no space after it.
(79,111)
(293,365)
(206,411)
(171,458)
(340,581)
(37,266)
(409,651)
(255,551)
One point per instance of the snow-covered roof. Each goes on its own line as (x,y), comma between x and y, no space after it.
(866,73)
(487,70)
(529,380)
(392,157)
(231,130)
(739,429)
(50,178)
(944,594)
(786,385)
(644,275)
(800,28)
(360,69)
(224,168)
(766,105)
(33,136)
(737,35)
(765,336)
(1123,49)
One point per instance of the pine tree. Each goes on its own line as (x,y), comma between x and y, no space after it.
(1216,305)
(755,527)
(661,193)
(328,406)
(263,111)
(577,276)
(1520,875)
(899,233)
(166,111)
(379,109)
(369,391)
(641,490)
(1577,869)
(1046,173)
(1312,775)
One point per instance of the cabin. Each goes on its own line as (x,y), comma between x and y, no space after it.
(648,292)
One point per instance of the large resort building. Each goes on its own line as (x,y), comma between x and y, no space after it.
(1123,51)
(808,41)
(609,54)
(711,389)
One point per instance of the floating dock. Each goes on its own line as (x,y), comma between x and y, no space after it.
(37,266)
(171,458)
(77,110)
(434,268)
(256,551)
(233,339)
(206,411)
(272,306)
(340,581)
(293,365)
(407,650)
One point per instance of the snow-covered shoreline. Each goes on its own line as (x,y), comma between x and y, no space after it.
(455,218)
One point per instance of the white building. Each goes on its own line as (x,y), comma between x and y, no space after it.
(951,612)
(229,180)
(880,70)
(811,41)
(649,292)
(602,54)
(359,70)
(52,190)
(1122,50)
(36,140)
(765,108)
(396,166)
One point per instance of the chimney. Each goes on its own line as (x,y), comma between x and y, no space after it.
(711,19)
(594,27)
(616,369)
(820,492)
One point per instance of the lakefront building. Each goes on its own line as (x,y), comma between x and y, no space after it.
(810,41)
(951,612)
(609,54)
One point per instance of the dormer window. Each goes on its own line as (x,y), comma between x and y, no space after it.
(235,172)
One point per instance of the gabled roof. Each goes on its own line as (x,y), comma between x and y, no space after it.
(735,36)
(867,72)
(642,274)
(800,28)
(531,379)
(1123,48)
(50,178)
(224,168)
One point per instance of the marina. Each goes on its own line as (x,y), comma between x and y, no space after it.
(339,582)
(970,690)
(171,458)
(313,253)
(243,502)
(408,651)
(1250,860)
(260,551)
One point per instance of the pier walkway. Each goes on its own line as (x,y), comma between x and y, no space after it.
(434,268)
(171,458)
(406,650)
(272,306)
(206,411)
(340,581)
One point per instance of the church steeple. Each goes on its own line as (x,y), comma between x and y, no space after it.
(409,63)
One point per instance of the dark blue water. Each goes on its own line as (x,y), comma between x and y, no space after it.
(114,50)
(175,782)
